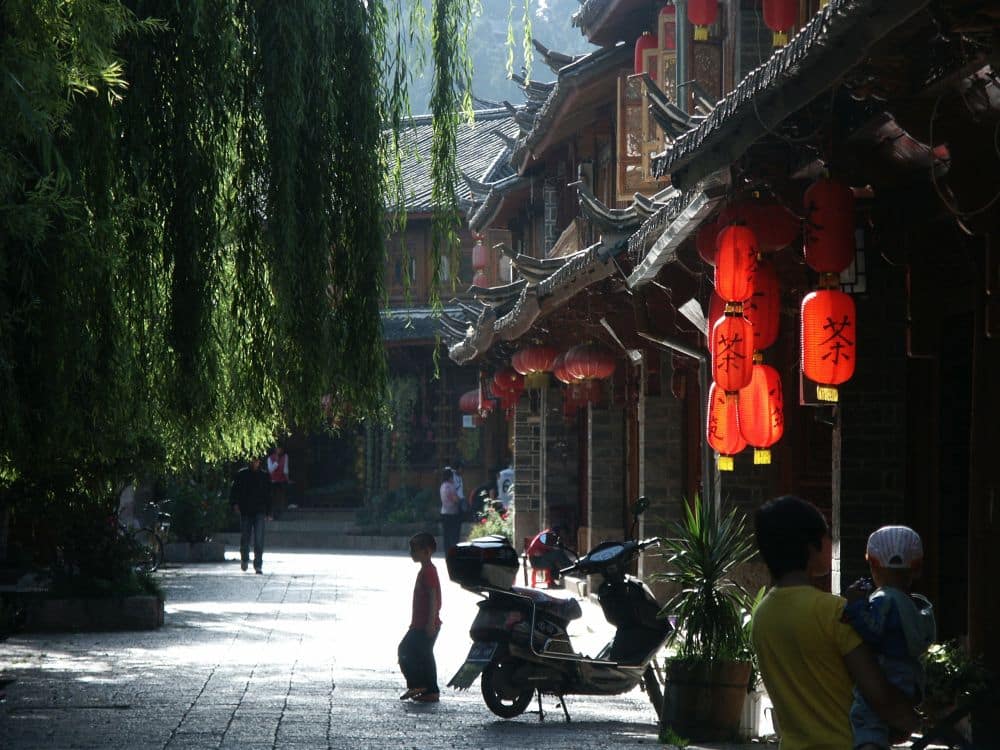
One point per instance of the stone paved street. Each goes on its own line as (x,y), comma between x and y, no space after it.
(301,657)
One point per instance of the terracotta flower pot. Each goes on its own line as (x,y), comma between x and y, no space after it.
(704,701)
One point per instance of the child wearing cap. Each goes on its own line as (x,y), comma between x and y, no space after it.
(895,623)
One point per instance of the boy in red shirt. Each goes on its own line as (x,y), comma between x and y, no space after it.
(416,650)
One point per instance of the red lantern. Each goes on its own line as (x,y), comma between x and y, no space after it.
(507,380)
(705,240)
(590,362)
(781,17)
(723,428)
(644,43)
(732,351)
(735,263)
(761,411)
(480,255)
(534,359)
(702,13)
(773,225)
(763,308)
(469,402)
(829,240)
(480,279)
(668,14)
(559,370)
(829,339)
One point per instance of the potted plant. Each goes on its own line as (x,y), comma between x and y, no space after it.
(709,675)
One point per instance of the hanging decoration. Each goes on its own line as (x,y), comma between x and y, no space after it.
(590,362)
(508,384)
(781,17)
(735,263)
(762,309)
(480,255)
(643,44)
(828,338)
(723,428)
(571,396)
(534,362)
(829,245)
(761,410)
(702,13)
(732,350)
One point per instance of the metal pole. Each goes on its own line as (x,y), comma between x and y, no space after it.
(682,30)
(709,474)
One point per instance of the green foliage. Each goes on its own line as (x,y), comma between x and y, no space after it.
(953,676)
(192,207)
(199,506)
(669,737)
(401,506)
(493,523)
(94,557)
(703,550)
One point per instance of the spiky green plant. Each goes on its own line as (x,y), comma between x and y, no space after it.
(702,552)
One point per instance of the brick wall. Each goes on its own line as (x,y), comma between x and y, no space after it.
(606,473)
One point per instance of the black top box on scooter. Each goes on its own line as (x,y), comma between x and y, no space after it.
(486,562)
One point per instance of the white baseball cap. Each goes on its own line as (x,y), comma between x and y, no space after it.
(895,547)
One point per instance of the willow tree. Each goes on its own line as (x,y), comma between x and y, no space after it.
(192,224)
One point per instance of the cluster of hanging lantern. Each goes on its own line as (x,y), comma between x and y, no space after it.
(828,316)
(480,262)
(745,402)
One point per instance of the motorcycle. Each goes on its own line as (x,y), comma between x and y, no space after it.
(520,642)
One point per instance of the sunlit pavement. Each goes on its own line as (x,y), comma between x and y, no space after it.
(301,657)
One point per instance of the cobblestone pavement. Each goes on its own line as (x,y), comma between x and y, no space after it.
(301,657)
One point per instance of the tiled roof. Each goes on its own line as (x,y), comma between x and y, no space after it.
(835,40)
(414,324)
(482,153)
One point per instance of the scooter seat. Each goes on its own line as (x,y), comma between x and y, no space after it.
(564,609)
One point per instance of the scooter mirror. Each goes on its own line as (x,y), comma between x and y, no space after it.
(640,506)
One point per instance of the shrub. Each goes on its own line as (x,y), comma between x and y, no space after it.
(493,523)
(199,507)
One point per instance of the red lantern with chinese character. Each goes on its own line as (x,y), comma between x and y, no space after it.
(829,339)
(702,13)
(732,351)
(761,411)
(668,14)
(829,236)
(643,44)
(590,362)
(735,263)
(763,307)
(480,255)
(723,428)
(781,17)
(705,241)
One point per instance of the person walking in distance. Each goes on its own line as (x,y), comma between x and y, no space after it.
(416,650)
(251,498)
(277,469)
(451,511)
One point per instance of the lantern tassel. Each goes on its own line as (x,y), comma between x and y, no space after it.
(827,393)
(779,38)
(700,33)
(761,456)
(725,463)
(537,380)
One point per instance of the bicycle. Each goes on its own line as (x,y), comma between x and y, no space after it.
(147,539)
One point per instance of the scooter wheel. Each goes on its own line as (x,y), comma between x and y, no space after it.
(501,696)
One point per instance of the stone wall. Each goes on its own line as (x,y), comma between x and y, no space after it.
(606,472)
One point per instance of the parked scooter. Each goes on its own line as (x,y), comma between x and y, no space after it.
(520,644)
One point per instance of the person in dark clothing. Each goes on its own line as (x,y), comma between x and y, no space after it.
(251,498)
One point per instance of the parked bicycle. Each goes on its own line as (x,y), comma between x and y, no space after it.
(146,534)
